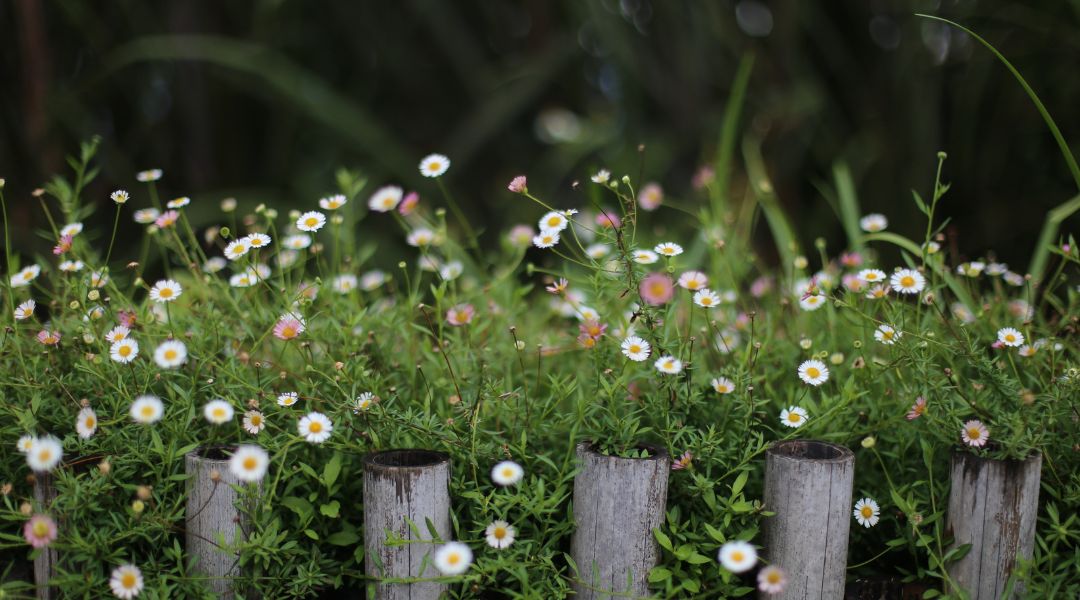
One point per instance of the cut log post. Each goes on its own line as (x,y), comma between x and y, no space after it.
(993,506)
(212,515)
(46,562)
(403,490)
(808,485)
(617,504)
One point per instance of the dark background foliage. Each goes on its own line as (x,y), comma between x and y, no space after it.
(262,100)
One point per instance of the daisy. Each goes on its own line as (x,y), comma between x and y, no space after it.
(242,280)
(877,292)
(218,412)
(518,185)
(1014,279)
(214,264)
(310,221)
(287,398)
(146,216)
(917,409)
(364,402)
(98,279)
(727,340)
(597,251)
(738,556)
(148,175)
(127,580)
(635,348)
(25,276)
(693,280)
(1010,337)
(668,249)
(315,427)
(907,281)
(887,335)
(651,196)
(434,165)
(546,238)
(39,531)
(645,257)
(812,302)
(147,409)
(1029,350)
(63,245)
(499,534)
(453,558)
(420,237)
(25,310)
(462,314)
(873,223)
(249,463)
(26,444)
(120,196)
(867,512)
(451,270)
(71,229)
(165,290)
(507,473)
(297,241)
(254,422)
(706,298)
(771,580)
(601,176)
(814,372)
(237,248)
(72,266)
(553,221)
(793,416)
(872,275)
(723,385)
(170,354)
(385,199)
(656,289)
(333,202)
(288,327)
(257,240)
(343,284)
(974,433)
(167,219)
(45,455)
(971,269)
(86,423)
(178,202)
(49,337)
(669,365)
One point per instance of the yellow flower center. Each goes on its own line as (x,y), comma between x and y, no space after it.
(692,284)
(887,334)
(434,166)
(867,512)
(124,351)
(90,422)
(256,420)
(170,354)
(634,348)
(499,533)
(721,388)
(128,581)
(1010,337)
(554,221)
(250,463)
(165,293)
(315,427)
(41,529)
(907,281)
(974,433)
(147,411)
(288,331)
(657,288)
(738,556)
(219,413)
(453,559)
(508,472)
(773,577)
(794,417)
(813,372)
(311,221)
(45,455)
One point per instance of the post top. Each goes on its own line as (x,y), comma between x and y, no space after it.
(404,458)
(811,450)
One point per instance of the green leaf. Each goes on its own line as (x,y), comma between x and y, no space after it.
(663,539)
(740,482)
(659,574)
(331,509)
(311,534)
(343,538)
(299,506)
(332,470)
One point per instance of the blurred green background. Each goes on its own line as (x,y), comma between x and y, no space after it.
(263,100)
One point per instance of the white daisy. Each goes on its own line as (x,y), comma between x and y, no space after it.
(120,196)
(71,266)
(178,202)
(26,444)
(668,364)
(72,229)
(507,473)
(218,412)
(546,238)
(1010,337)
(214,264)
(86,423)
(706,298)
(287,398)
(499,534)
(343,284)
(873,222)
(597,251)
(148,175)
(363,402)
(887,335)
(601,176)
(315,427)
(127,580)
(45,455)
(1014,279)
(907,281)
(420,237)
(434,165)
(147,409)
(25,276)
(373,280)
(867,512)
(237,248)
(554,221)
(386,198)
(727,341)
(872,275)
(668,249)
(645,257)
(451,270)
(333,202)
(297,241)
(25,310)
(124,350)
(771,579)
(249,463)
(814,372)
(738,556)
(453,558)
(635,348)
(793,416)
(242,280)
(165,290)
(257,240)
(311,221)
(812,302)
(170,354)
(723,385)
(146,216)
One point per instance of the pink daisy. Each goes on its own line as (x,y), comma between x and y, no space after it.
(462,314)
(974,433)
(656,289)
(167,219)
(39,531)
(683,461)
(518,185)
(917,409)
(49,338)
(288,327)
(63,245)
(408,204)
(608,219)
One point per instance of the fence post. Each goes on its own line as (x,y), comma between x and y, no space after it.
(46,562)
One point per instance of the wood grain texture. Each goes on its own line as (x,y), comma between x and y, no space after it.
(211,512)
(46,563)
(993,506)
(808,485)
(617,504)
(403,486)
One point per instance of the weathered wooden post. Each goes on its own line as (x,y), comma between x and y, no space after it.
(212,512)
(617,503)
(404,489)
(808,485)
(46,562)
(993,506)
